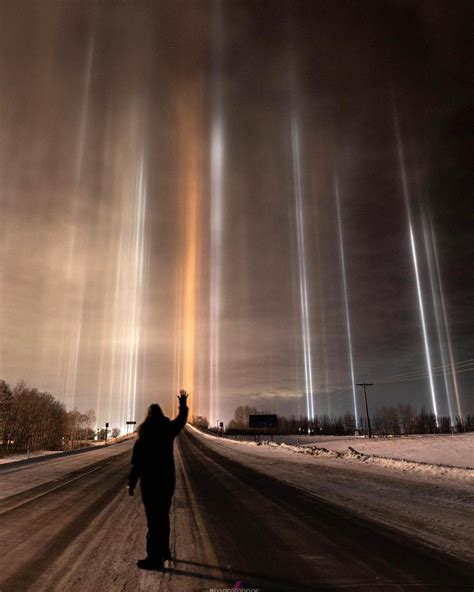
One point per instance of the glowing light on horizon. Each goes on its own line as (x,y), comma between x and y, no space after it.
(453,365)
(217,221)
(76,267)
(187,279)
(217,152)
(190,276)
(128,302)
(421,307)
(423,322)
(436,305)
(121,345)
(323,339)
(303,284)
(346,302)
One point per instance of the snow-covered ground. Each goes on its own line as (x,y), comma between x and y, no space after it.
(439,450)
(92,444)
(12,458)
(427,501)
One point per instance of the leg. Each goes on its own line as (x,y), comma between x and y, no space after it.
(164,525)
(157,499)
(153,519)
(164,499)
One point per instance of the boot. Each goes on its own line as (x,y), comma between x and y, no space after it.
(150,564)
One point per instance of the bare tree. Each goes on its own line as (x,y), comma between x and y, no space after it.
(407,418)
(200,422)
(35,420)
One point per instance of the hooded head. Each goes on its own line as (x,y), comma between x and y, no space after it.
(155,417)
(155,413)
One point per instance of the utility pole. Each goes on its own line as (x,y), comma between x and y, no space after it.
(364,385)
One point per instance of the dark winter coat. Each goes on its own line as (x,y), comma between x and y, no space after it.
(152,458)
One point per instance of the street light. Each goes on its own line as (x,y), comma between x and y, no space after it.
(130,423)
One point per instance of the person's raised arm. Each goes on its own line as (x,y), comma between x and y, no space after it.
(180,420)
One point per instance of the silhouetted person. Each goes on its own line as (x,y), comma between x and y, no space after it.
(153,464)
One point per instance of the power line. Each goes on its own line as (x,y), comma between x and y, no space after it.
(422,376)
(423,371)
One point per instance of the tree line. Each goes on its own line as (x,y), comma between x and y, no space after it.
(199,421)
(34,420)
(385,421)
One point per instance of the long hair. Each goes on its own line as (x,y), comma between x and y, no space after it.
(153,420)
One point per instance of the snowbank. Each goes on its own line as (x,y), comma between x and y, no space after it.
(440,449)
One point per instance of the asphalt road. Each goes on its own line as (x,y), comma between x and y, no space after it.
(272,536)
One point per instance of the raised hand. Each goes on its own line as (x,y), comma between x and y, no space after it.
(182,397)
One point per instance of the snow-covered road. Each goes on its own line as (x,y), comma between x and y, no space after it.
(435,506)
(267,517)
(68,524)
(15,478)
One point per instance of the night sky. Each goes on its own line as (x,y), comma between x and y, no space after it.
(168,203)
